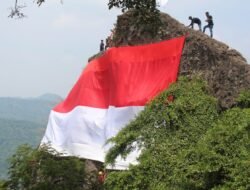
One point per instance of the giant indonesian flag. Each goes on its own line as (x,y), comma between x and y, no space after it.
(110,92)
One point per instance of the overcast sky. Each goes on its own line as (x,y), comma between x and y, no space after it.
(46,52)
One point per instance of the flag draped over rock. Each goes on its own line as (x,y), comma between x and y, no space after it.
(110,92)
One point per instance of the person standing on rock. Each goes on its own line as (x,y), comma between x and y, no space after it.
(210,24)
(107,43)
(194,21)
(101,46)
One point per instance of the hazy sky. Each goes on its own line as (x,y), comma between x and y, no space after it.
(46,52)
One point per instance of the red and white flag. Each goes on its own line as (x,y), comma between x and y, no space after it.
(110,92)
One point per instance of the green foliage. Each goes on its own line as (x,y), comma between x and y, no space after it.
(221,159)
(133,4)
(45,169)
(164,131)
(244,99)
(186,143)
(2,185)
(145,14)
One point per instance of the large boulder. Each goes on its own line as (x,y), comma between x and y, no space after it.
(225,69)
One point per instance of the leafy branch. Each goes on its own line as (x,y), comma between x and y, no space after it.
(16,11)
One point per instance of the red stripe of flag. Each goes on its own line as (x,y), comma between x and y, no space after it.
(126,76)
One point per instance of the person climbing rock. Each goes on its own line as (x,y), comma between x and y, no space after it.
(101,46)
(210,24)
(194,21)
(101,176)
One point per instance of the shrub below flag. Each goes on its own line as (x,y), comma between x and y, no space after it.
(110,92)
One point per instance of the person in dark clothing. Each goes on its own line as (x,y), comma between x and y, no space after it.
(194,21)
(101,46)
(107,42)
(210,24)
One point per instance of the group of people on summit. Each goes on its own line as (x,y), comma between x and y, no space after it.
(209,20)
(194,20)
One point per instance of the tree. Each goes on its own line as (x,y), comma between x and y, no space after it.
(46,169)
(145,14)
(16,11)
(133,4)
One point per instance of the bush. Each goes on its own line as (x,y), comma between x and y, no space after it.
(243,100)
(186,143)
(220,160)
(172,123)
(46,169)
(2,185)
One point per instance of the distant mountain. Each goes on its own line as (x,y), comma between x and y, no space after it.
(50,97)
(28,109)
(22,121)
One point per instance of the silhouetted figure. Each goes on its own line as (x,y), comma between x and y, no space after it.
(194,21)
(210,24)
(108,41)
(101,46)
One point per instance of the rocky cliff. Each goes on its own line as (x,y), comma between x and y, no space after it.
(225,69)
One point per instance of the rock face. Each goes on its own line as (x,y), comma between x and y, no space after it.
(225,70)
